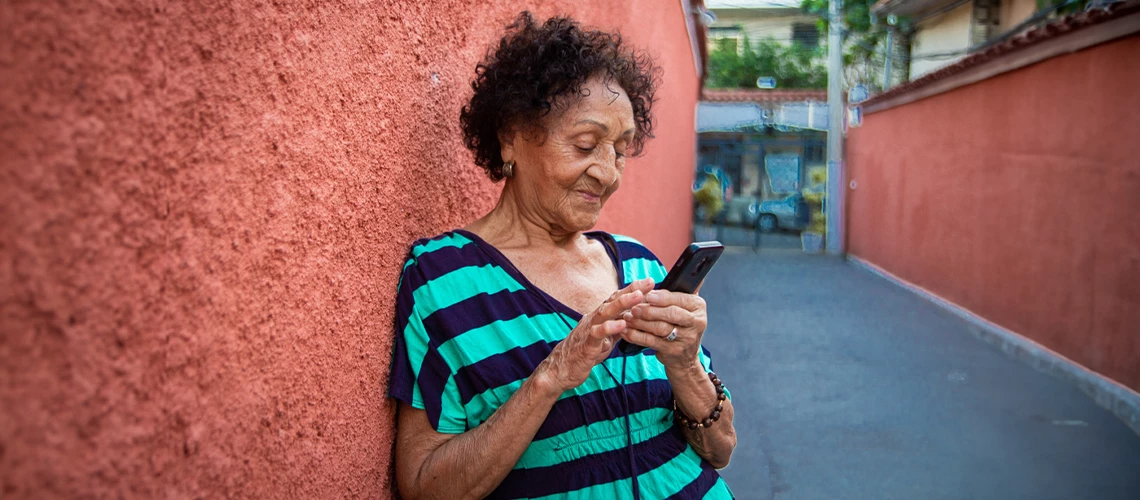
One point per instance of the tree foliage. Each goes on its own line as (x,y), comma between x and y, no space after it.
(864,40)
(793,66)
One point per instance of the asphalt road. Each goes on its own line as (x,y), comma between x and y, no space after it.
(847,386)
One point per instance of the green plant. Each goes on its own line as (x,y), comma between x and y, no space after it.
(793,66)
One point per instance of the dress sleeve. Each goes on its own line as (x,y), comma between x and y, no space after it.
(419,374)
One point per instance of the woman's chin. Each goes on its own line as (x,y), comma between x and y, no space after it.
(581,221)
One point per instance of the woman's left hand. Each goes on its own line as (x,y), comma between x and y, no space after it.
(650,323)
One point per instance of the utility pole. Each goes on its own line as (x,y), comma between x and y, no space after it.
(890,52)
(836,115)
(892,20)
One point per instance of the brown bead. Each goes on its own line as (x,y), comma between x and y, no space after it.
(715,416)
(719,407)
(692,425)
(712,376)
(721,396)
(707,422)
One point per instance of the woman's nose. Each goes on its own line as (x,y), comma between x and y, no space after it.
(606,171)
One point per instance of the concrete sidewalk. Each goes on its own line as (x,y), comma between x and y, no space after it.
(848,386)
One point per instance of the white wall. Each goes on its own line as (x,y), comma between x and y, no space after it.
(1013,12)
(943,33)
(764,23)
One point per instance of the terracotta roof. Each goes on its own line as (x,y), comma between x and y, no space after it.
(1049,31)
(761,95)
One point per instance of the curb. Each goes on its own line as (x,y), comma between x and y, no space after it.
(1106,393)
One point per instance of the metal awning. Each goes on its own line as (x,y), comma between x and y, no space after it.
(736,116)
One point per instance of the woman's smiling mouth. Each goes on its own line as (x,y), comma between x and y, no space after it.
(590,197)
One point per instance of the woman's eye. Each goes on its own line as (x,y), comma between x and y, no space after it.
(585,149)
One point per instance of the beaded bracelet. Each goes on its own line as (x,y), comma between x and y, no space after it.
(713,417)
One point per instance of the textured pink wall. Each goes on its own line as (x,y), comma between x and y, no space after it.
(1017,198)
(204,213)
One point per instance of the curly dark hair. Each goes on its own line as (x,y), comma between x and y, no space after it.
(535,67)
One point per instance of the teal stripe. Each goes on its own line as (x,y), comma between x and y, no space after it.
(719,491)
(447,290)
(498,337)
(453,240)
(452,418)
(661,482)
(626,239)
(416,342)
(671,476)
(600,380)
(638,268)
(618,490)
(707,363)
(597,437)
(480,408)
(462,284)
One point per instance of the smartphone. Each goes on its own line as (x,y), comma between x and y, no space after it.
(685,276)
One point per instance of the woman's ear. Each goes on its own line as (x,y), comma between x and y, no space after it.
(507,139)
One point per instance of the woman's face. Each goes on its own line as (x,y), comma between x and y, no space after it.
(565,175)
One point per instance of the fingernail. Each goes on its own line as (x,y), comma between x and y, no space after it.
(655,297)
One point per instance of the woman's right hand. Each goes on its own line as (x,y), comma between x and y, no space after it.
(591,342)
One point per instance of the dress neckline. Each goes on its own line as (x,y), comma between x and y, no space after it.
(605,238)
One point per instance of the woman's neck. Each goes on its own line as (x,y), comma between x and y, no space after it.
(512,224)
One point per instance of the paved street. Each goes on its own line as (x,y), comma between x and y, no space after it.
(847,386)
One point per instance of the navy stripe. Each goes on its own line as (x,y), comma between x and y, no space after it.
(405,304)
(612,251)
(438,263)
(482,310)
(500,369)
(700,486)
(401,376)
(576,411)
(629,250)
(592,470)
(434,373)
(709,354)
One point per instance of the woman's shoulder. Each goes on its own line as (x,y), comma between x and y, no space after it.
(630,248)
(449,253)
(445,244)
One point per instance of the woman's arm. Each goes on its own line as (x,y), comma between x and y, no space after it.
(649,325)
(697,398)
(430,464)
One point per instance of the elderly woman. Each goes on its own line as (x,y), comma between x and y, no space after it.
(506,367)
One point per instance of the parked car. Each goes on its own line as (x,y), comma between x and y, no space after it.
(739,211)
(791,213)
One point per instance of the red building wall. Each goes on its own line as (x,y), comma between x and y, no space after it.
(1018,198)
(205,208)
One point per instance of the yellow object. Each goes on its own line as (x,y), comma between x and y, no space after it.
(814,194)
(710,197)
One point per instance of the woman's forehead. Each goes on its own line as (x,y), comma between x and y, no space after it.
(599,102)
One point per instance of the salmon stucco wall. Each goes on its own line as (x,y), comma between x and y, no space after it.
(205,206)
(1018,198)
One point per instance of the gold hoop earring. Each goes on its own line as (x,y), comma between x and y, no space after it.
(509,169)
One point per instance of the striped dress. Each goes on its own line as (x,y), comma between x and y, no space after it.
(471,328)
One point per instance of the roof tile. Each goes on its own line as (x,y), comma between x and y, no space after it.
(1060,27)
